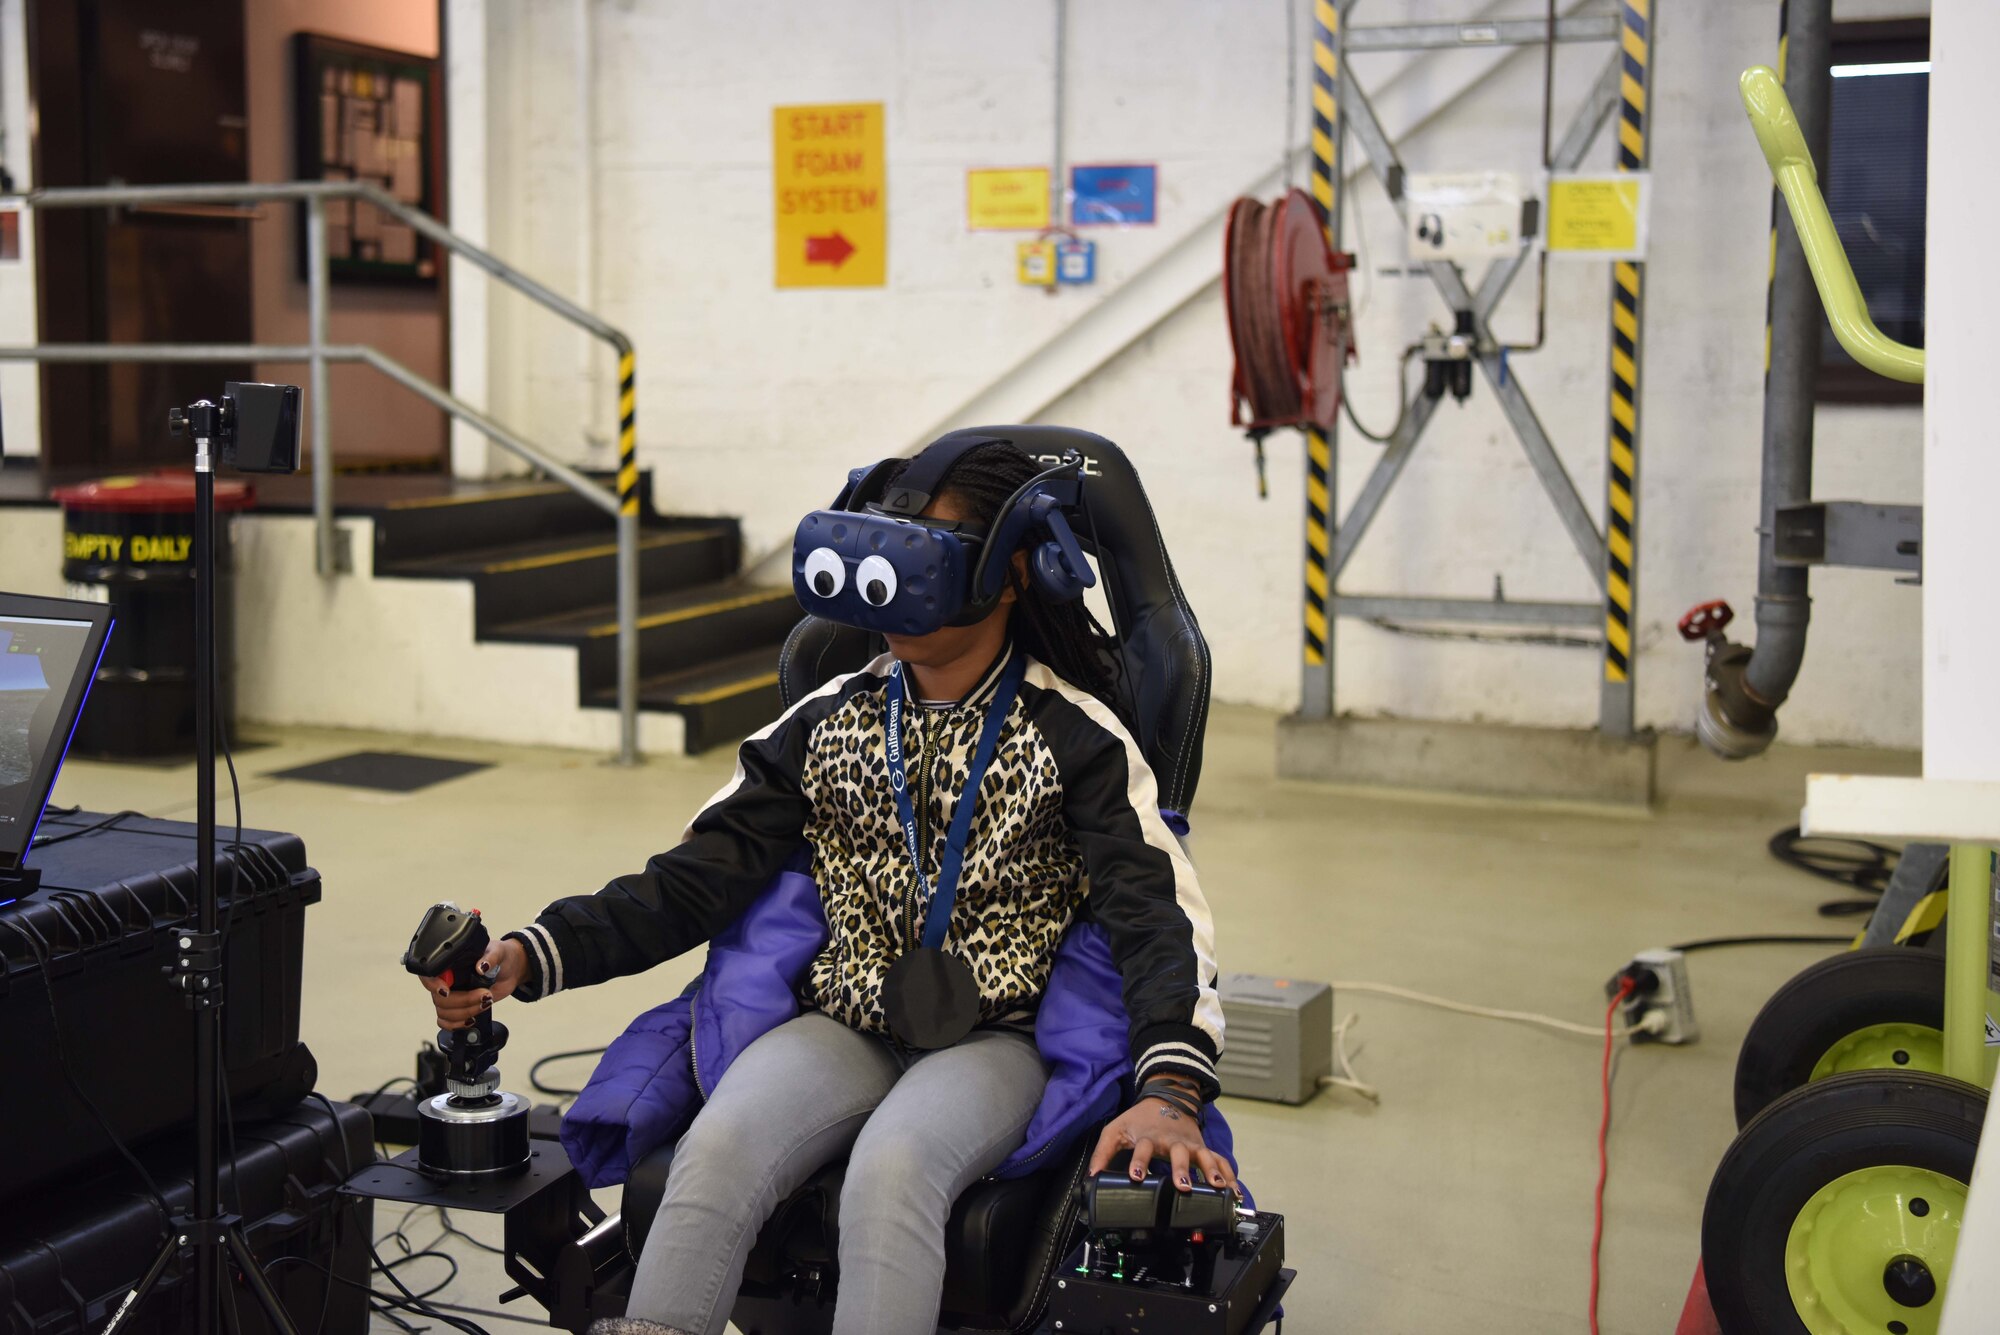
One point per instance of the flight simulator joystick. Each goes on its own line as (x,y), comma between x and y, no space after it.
(474,1128)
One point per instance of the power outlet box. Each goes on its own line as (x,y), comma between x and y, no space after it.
(1662,990)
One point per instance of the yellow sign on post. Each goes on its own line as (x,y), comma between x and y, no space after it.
(1598,217)
(1035,263)
(1007,199)
(830,197)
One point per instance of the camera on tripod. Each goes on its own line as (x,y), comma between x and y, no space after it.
(255,427)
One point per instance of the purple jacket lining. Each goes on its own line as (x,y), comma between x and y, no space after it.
(654,1077)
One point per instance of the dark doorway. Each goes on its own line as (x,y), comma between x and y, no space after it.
(134,92)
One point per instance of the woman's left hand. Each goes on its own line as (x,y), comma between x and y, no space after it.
(1152,1129)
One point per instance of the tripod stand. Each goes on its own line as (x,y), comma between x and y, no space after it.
(214,1237)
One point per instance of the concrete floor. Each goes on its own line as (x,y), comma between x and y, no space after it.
(1461,1203)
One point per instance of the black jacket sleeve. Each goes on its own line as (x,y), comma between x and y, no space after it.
(729,854)
(1142,890)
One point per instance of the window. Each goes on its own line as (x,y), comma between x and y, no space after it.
(1875,180)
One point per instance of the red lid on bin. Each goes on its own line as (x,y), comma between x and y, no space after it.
(151,493)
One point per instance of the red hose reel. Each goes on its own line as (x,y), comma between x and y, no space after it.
(1285,290)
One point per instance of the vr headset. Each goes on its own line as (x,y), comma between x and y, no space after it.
(871,562)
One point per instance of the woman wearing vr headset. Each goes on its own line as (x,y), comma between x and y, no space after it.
(963,799)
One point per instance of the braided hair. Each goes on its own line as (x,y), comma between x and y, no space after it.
(1065,635)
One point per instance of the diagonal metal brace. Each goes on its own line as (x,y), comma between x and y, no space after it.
(1360,116)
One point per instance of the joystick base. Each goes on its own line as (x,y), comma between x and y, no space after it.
(472,1138)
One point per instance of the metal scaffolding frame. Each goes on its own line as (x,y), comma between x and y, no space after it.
(1609,560)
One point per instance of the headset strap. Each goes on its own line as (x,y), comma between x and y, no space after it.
(919,482)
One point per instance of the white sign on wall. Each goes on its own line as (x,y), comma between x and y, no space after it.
(1463,215)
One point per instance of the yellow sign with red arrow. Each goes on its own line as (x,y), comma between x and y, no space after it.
(830,195)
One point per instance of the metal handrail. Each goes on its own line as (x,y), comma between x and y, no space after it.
(1778,134)
(622,503)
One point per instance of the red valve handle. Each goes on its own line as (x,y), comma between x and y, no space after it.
(1706,619)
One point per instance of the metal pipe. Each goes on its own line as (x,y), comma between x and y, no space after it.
(499,435)
(1783,605)
(112,196)
(326,553)
(171,352)
(1479,611)
(589,367)
(493,265)
(1792,167)
(553,468)
(628,637)
(1503,32)
(1056,149)
(1968,933)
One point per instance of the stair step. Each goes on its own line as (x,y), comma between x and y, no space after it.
(720,701)
(520,581)
(428,526)
(678,630)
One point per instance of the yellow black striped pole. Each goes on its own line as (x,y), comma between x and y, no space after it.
(1628,280)
(1326,136)
(628,437)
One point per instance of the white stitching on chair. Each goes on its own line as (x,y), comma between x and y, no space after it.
(784,666)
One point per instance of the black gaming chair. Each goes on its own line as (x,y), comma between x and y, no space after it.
(1005,1239)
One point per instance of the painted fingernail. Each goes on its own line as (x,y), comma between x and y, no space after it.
(486,1003)
(1183,1181)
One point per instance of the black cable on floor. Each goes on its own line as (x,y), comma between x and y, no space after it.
(535,1072)
(1859,864)
(1717,942)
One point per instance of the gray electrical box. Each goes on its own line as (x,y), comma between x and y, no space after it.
(1278,1038)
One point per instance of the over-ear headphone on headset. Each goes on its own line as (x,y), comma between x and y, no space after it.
(871,560)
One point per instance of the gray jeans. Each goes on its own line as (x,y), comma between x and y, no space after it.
(916,1133)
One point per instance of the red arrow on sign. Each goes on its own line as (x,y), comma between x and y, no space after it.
(832,250)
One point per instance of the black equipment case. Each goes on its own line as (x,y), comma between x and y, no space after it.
(69,1257)
(100,921)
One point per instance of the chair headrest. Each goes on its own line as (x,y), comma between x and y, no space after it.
(1164,659)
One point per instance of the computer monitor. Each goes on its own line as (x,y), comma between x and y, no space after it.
(49,650)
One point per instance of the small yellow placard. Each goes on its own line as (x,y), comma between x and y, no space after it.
(1007,199)
(1035,263)
(831,202)
(1598,217)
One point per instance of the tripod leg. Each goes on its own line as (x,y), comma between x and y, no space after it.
(225,1301)
(144,1286)
(253,1275)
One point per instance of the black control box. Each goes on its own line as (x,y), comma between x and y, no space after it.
(1157,1260)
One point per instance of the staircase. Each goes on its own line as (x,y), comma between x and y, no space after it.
(543,568)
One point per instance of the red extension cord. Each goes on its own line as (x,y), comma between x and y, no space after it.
(1625,987)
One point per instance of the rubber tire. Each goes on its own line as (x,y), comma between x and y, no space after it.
(1825,1003)
(1808,1138)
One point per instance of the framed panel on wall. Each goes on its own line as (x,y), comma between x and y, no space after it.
(369,114)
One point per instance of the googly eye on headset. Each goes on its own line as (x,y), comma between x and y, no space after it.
(875,562)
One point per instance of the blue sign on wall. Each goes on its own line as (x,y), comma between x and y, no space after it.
(1076,261)
(1120,195)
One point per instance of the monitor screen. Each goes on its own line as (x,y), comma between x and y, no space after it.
(46,662)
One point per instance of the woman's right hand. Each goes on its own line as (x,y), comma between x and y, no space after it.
(503,966)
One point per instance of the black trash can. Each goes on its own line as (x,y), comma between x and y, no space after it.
(129,542)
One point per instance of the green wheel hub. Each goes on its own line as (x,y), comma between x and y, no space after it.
(1870,1253)
(1884,1047)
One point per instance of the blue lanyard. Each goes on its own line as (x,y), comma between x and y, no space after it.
(953,862)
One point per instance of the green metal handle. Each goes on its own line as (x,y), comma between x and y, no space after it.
(1784,146)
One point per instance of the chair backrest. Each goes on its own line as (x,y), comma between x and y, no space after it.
(1164,664)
